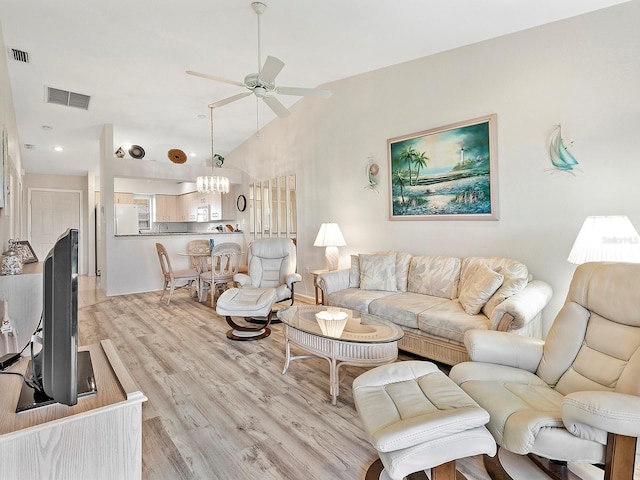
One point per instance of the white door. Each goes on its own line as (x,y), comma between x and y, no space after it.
(52,212)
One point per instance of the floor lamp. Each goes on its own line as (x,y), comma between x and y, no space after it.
(606,239)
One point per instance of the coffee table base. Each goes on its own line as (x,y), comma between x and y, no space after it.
(337,353)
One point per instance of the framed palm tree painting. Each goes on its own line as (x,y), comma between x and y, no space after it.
(446,173)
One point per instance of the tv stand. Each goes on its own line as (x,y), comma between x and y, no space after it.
(99,438)
(30,398)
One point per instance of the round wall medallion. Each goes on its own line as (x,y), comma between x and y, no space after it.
(136,151)
(241,203)
(176,155)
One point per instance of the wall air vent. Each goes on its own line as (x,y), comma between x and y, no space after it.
(19,55)
(68,99)
(29,146)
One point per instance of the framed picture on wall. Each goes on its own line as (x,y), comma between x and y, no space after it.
(446,173)
(23,247)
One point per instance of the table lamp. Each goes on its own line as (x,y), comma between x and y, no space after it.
(330,237)
(606,239)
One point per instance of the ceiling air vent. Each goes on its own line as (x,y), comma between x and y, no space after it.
(68,99)
(19,55)
(29,146)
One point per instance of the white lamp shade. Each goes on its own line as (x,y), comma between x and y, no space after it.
(329,236)
(606,239)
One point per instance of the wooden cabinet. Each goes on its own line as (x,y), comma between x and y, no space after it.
(166,208)
(184,208)
(99,438)
(122,197)
(215,207)
(229,210)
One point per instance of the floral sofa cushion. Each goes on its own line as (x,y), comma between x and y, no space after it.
(435,275)
(403,260)
(378,272)
(516,277)
(450,321)
(356,298)
(478,287)
(404,308)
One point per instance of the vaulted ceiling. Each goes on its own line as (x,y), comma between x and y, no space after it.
(130,58)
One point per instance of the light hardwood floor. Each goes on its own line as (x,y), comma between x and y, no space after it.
(220,409)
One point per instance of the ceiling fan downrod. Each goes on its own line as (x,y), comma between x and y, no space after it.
(259,8)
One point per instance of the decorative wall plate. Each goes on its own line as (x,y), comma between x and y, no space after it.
(177,156)
(136,151)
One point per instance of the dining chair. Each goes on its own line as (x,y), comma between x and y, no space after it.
(225,259)
(195,249)
(173,279)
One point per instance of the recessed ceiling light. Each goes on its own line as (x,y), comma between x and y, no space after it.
(58,148)
(192,154)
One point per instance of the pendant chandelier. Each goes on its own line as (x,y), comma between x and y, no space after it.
(213,183)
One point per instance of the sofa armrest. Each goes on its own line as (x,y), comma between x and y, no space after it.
(504,348)
(333,281)
(612,412)
(519,309)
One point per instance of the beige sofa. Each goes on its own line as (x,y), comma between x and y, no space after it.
(436,299)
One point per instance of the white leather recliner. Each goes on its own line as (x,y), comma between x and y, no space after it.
(575,396)
(271,263)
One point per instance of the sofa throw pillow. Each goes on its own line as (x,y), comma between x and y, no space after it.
(354,273)
(479,286)
(378,272)
(516,277)
(403,260)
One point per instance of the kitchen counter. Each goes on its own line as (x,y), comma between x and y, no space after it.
(134,266)
(173,234)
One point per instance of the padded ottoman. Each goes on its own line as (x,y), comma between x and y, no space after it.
(248,303)
(418,419)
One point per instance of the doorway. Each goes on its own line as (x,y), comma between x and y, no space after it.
(51,212)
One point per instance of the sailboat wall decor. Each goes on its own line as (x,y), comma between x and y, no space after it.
(560,157)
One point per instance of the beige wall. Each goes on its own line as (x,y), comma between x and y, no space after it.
(583,73)
(10,226)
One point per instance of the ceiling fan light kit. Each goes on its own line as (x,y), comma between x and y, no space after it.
(262,84)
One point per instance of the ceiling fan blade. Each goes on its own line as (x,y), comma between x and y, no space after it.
(303,92)
(217,79)
(276,106)
(226,101)
(271,69)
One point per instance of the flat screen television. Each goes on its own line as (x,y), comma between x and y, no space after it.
(58,372)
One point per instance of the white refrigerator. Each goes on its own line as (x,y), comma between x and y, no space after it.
(126,219)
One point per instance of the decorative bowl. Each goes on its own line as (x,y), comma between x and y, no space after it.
(332,322)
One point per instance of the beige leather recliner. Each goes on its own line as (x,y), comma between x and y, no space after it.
(575,396)
(272,264)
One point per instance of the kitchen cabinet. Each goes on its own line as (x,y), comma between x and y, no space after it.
(166,208)
(229,210)
(184,208)
(215,206)
(122,197)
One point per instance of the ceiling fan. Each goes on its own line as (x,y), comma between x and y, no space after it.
(262,84)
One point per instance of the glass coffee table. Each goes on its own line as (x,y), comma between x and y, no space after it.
(366,341)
